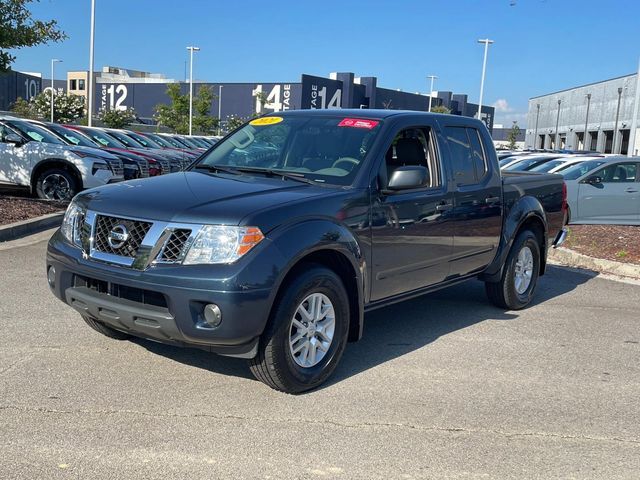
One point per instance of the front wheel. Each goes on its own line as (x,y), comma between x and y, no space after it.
(306,334)
(515,289)
(56,184)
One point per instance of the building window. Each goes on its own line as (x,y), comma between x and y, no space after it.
(580,141)
(540,143)
(593,144)
(624,143)
(608,141)
(73,85)
(81,84)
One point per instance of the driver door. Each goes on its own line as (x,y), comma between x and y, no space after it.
(15,166)
(616,199)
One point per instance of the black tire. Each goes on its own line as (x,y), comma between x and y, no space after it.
(104,330)
(46,193)
(274,363)
(504,293)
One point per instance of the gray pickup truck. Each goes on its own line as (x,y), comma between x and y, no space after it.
(275,243)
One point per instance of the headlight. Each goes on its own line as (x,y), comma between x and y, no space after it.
(99,166)
(222,244)
(71,223)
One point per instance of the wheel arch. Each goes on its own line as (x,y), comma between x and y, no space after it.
(333,246)
(60,163)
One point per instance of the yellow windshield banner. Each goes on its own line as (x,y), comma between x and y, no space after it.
(262,121)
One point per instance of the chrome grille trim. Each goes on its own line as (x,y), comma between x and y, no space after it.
(158,239)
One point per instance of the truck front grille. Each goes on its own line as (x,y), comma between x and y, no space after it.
(175,248)
(165,165)
(143,165)
(146,297)
(134,230)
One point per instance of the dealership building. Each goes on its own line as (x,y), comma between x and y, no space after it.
(121,88)
(596,116)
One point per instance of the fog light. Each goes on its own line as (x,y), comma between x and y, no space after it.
(212,315)
(51,276)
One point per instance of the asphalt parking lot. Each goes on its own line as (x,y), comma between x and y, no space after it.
(445,386)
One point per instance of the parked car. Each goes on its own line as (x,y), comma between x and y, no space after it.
(134,165)
(109,141)
(185,157)
(561,163)
(527,163)
(176,160)
(33,157)
(276,257)
(606,193)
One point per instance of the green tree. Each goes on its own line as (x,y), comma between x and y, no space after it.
(440,109)
(115,118)
(22,108)
(233,122)
(175,115)
(512,136)
(66,108)
(18,29)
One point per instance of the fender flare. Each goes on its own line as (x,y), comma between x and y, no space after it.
(525,209)
(55,160)
(297,241)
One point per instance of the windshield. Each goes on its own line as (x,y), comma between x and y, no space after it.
(174,143)
(506,161)
(104,139)
(127,140)
(144,140)
(548,166)
(190,142)
(527,164)
(321,148)
(178,142)
(576,171)
(35,132)
(159,140)
(73,137)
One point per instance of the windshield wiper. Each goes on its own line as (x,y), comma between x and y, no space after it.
(217,168)
(299,177)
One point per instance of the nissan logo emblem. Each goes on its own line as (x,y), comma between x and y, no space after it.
(118,236)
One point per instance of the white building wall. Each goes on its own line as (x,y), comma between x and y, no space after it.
(573,111)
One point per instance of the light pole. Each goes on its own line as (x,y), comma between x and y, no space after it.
(586,123)
(557,123)
(191,50)
(615,128)
(486,42)
(535,133)
(219,109)
(634,120)
(90,86)
(432,77)
(53,62)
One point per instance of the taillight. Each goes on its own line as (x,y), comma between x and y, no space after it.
(565,206)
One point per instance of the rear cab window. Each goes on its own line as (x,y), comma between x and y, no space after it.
(468,157)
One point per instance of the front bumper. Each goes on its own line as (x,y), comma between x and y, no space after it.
(164,303)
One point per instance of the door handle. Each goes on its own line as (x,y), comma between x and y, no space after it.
(489,200)
(443,207)
(631,190)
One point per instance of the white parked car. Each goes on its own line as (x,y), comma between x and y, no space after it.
(560,164)
(31,156)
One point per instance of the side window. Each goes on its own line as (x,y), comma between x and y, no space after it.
(618,173)
(462,164)
(477,153)
(413,146)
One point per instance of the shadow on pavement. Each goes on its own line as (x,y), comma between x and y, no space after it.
(399,329)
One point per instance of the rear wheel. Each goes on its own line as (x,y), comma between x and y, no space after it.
(307,332)
(56,184)
(104,330)
(520,276)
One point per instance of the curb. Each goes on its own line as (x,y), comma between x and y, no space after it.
(570,258)
(13,231)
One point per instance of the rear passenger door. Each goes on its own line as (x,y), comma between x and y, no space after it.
(477,186)
(616,199)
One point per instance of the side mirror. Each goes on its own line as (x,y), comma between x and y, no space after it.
(408,177)
(13,138)
(594,180)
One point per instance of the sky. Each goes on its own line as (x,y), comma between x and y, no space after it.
(540,45)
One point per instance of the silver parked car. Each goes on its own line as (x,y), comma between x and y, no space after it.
(604,191)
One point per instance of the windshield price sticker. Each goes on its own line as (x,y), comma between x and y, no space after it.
(358,123)
(260,122)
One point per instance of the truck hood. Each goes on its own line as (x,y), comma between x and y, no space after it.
(197,197)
